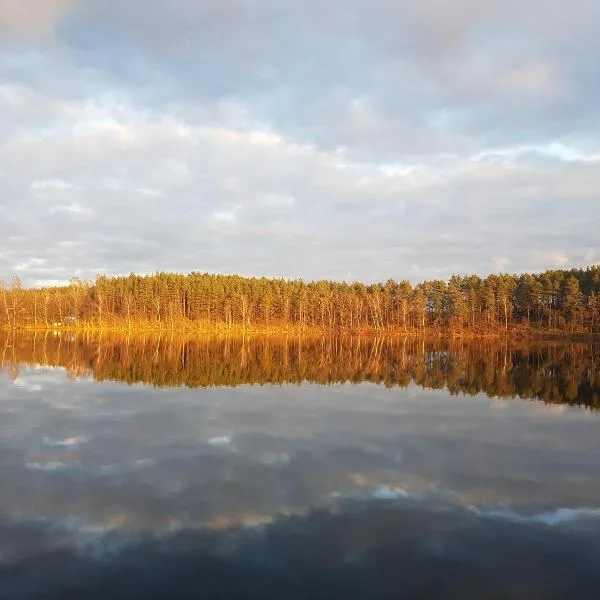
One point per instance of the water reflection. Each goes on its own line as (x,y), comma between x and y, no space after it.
(555,373)
(359,552)
(196,488)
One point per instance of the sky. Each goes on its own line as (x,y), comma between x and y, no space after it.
(355,140)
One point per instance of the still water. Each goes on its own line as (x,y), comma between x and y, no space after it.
(161,467)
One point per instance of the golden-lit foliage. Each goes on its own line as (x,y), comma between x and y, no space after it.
(556,301)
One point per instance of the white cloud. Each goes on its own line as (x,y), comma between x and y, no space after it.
(500,264)
(315,142)
(553,259)
(225,216)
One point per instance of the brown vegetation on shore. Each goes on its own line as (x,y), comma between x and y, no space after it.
(557,302)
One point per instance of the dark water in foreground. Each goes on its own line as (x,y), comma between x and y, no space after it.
(421,470)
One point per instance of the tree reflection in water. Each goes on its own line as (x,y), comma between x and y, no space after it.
(557,373)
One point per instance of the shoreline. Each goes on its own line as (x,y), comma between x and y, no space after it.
(188,330)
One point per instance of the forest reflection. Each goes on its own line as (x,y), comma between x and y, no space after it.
(556,373)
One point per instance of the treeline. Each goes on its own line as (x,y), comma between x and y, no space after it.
(559,301)
(553,373)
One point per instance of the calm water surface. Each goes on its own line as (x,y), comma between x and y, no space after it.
(168,468)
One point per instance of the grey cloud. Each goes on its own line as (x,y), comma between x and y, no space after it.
(426,76)
(363,140)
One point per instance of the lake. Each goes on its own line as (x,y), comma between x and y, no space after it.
(166,467)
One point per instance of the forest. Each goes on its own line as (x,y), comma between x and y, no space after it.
(555,373)
(555,302)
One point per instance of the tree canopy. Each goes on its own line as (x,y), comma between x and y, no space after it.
(556,300)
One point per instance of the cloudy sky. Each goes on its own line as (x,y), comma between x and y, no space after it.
(363,139)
